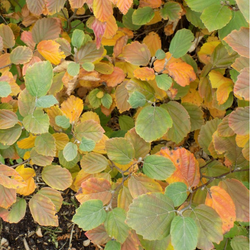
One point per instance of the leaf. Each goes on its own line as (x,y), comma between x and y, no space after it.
(153,42)
(143,15)
(73,68)
(5,89)
(10,136)
(222,203)
(107,100)
(36,123)
(238,40)
(171,11)
(8,119)
(177,192)
(21,55)
(94,163)
(57,177)
(164,81)
(126,122)
(158,167)
(186,227)
(116,77)
(144,74)
(115,224)
(181,43)
(209,226)
(239,243)
(152,123)
(98,235)
(241,87)
(102,9)
(137,99)
(36,7)
(16,213)
(124,6)
(89,130)
(38,78)
(26,103)
(206,133)
(140,146)
(43,210)
(223,128)
(124,198)
(94,188)
(90,215)
(141,184)
(156,210)
(121,97)
(46,29)
(7,197)
(132,242)
(238,121)
(7,35)
(244,7)
(88,53)
(201,5)
(46,101)
(54,6)
(87,145)
(178,114)
(216,16)
(120,150)
(72,108)
(39,159)
(196,115)
(112,245)
(70,151)
(187,167)
(76,4)
(136,53)
(45,144)
(61,140)
(240,196)
(50,50)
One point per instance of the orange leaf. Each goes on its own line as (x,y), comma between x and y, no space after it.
(50,50)
(124,5)
(223,92)
(94,188)
(222,203)
(116,77)
(180,71)
(153,4)
(111,27)
(153,41)
(102,9)
(144,74)
(187,167)
(7,196)
(120,43)
(72,108)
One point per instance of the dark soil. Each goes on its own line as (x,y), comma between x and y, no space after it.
(23,234)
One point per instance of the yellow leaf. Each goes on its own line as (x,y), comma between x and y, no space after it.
(156,19)
(127,67)
(206,51)
(50,50)
(72,108)
(223,91)
(111,28)
(144,74)
(153,41)
(52,113)
(61,140)
(217,79)
(89,115)
(28,142)
(241,140)
(112,41)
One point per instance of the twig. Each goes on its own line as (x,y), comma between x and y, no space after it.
(18,164)
(5,66)
(71,236)
(26,244)
(4,19)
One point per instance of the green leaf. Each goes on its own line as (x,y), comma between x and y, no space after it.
(199,6)
(158,167)
(107,100)
(36,123)
(73,68)
(178,114)
(181,43)
(143,15)
(184,233)
(77,38)
(153,212)
(209,226)
(163,81)
(46,101)
(216,16)
(67,164)
(70,151)
(177,192)
(93,163)
(9,136)
(137,99)
(127,20)
(120,150)
(152,123)
(171,11)
(94,101)
(90,215)
(5,89)
(115,225)
(112,245)
(38,78)
(62,121)
(240,243)
(45,144)
(88,66)
(87,144)
(244,8)
(194,18)
(160,54)
(126,122)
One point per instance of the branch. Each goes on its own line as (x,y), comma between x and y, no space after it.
(8,65)
(18,164)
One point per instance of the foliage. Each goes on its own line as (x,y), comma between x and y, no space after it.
(146,121)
